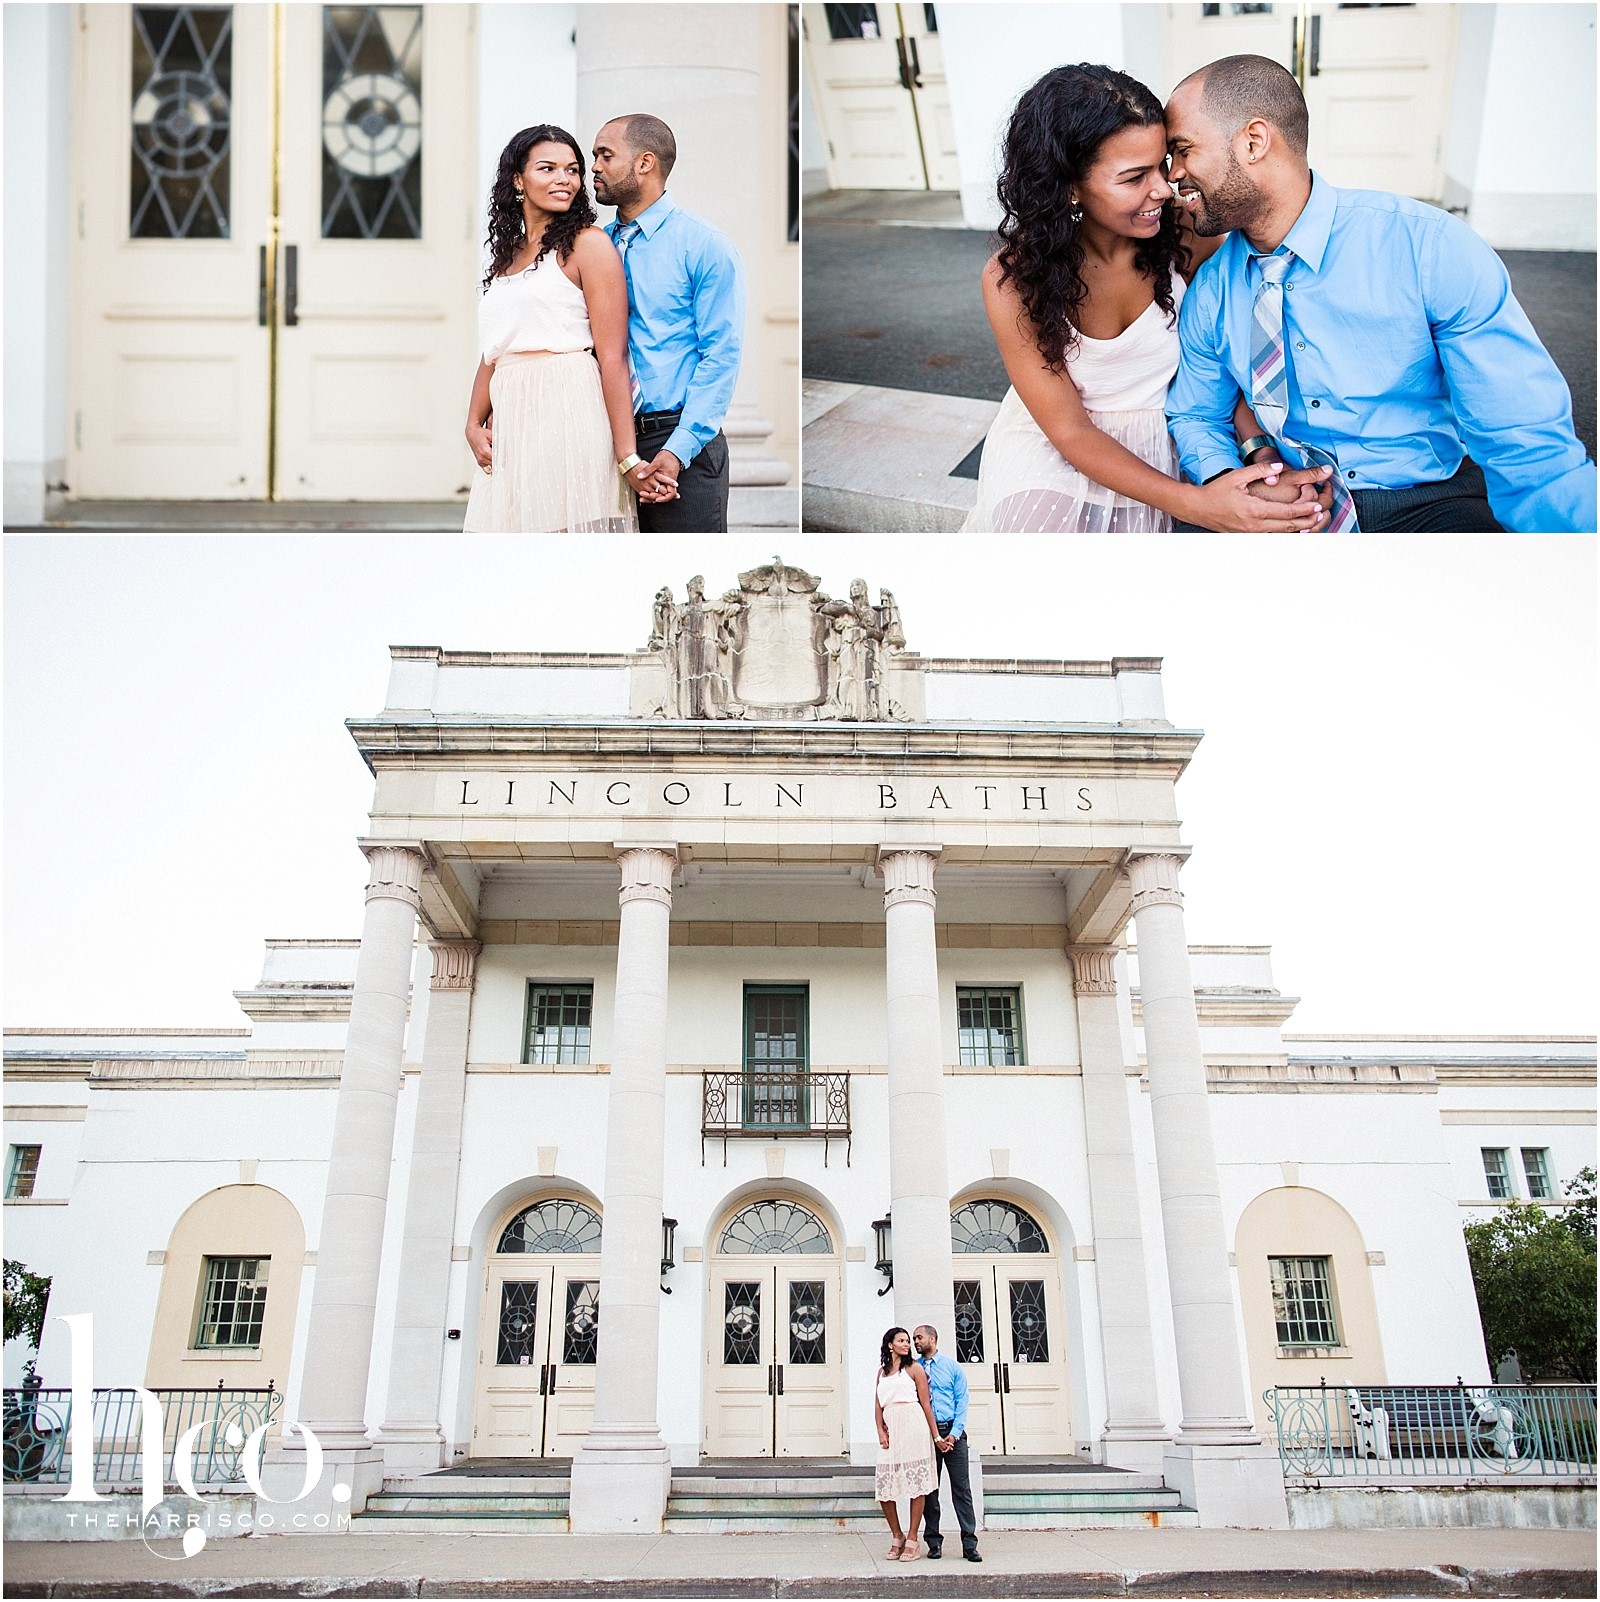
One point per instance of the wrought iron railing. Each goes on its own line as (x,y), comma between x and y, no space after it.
(1434,1432)
(38,1426)
(737,1106)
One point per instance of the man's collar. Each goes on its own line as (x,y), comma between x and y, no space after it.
(652,217)
(1308,238)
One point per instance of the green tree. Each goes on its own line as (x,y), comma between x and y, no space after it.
(1579,1216)
(27,1296)
(1534,1272)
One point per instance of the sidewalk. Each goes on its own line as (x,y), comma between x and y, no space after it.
(1042,1563)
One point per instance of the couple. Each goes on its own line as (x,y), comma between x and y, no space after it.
(1337,355)
(915,1397)
(609,356)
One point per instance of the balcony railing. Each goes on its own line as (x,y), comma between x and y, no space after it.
(38,1425)
(775,1106)
(1376,1433)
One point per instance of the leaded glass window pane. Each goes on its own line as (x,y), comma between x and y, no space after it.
(372,122)
(552,1226)
(23,1172)
(1497,1171)
(994,1226)
(741,1322)
(775,1090)
(853,22)
(807,1321)
(794,124)
(1536,1166)
(988,1027)
(1302,1301)
(1030,1338)
(969,1322)
(519,1308)
(559,1019)
(181,122)
(234,1303)
(580,1335)
(773,1227)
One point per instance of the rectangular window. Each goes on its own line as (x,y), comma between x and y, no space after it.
(1536,1169)
(235,1302)
(776,1091)
(22,1171)
(1302,1301)
(1497,1170)
(558,1023)
(989,1025)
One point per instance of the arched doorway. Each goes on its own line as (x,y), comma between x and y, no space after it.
(538,1332)
(1010,1330)
(775,1335)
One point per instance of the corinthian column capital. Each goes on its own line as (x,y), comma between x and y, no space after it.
(646,873)
(454,963)
(1093,970)
(1154,877)
(395,872)
(907,875)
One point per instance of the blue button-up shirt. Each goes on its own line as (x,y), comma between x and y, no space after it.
(947,1391)
(685,321)
(1406,350)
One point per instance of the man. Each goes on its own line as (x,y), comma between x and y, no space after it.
(685,327)
(1368,333)
(947,1392)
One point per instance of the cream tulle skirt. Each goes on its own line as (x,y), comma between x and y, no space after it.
(1026,486)
(554,472)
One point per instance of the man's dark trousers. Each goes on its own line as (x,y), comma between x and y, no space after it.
(960,1489)
(702,503)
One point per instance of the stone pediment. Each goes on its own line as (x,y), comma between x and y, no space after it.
(778,647)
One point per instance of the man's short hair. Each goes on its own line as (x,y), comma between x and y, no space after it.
(1237,88)
(931,1330)
(644,132)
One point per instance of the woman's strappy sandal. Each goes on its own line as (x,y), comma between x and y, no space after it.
(896,1546)
(911,1553)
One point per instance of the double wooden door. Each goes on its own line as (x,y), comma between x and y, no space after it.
(1010,1342)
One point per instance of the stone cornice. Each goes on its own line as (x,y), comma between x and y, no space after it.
(308,1002)
(1214,1007)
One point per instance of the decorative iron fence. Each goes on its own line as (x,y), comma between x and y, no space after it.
(1434,1432)
(775,1106)
(38,1432)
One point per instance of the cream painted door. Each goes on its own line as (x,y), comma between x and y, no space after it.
(774,1360)
(379,224)
(1377,81)
(204,290)
(878,86)
(172,182)
(1010,1342)
(536,1358)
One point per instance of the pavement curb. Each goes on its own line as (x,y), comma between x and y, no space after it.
(1409,1581)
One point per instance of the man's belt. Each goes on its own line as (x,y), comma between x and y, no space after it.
(658,417)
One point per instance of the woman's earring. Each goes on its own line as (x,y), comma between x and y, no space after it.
(1076,212)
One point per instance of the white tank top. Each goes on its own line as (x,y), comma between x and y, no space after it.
(538,309)
(1131,372)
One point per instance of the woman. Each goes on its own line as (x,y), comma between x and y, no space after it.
(906,1433)
(550,421)
(1083,298)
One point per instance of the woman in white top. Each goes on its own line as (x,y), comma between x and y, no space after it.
(550,421)
(1083,298)
(906,1432)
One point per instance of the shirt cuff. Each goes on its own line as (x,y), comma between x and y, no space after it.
(1207,467)
(682,444)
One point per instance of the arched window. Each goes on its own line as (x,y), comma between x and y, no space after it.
(553,1226)
(994,1226)
(775,1226)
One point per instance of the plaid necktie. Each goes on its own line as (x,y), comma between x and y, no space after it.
(625,236)
(1269,384)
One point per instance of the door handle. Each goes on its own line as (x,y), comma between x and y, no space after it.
(916,64)
(1005,1377)
(771,1387)
(291,285)
(1314,66)
(996,1379)
(905,63)
(780,1379)
(544,1379)
(261,291)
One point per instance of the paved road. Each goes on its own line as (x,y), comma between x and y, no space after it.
(900,307)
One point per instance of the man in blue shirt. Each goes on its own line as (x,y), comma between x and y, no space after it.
(1368,332)
(947,1394)
(685,327)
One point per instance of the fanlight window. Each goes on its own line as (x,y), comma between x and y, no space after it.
(553,1226)
(775,1226)
(994,1226)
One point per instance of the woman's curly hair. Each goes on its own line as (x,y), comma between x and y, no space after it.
(888,1359)
(1051,142)
(507,234)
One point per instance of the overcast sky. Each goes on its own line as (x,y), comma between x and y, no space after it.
(1396,788)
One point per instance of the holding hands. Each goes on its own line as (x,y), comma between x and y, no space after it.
(657,479)
(1267,498)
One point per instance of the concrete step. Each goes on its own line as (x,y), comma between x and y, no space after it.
(768,1506)
(385,1524)
(776,1485)
(1175,1518)
(449,1502)
(477,1485)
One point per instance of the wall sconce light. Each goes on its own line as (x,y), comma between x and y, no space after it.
(883,1234)
(452,1334)
(669,1230)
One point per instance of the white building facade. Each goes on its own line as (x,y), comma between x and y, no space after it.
(825,987)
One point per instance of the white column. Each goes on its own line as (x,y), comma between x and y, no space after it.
(621,1474)
(919,1166)
(413,1436)
(344,1293)
(1216,1460)
(1133,1433)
